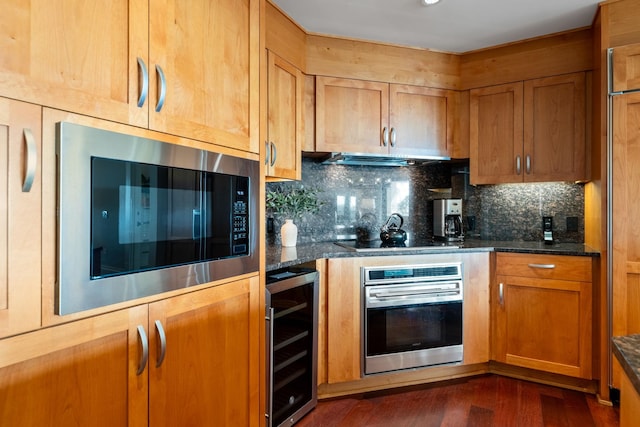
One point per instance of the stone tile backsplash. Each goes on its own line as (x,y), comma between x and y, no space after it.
(353,195)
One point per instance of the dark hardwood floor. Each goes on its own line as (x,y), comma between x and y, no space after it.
(488,400)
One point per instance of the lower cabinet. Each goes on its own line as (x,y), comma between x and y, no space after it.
(188,360)
(542,313)
(629,403)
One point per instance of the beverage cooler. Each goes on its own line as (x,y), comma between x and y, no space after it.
(292,344)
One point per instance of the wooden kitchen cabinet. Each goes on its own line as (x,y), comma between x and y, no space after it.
(94,371)
(532,131)
(284,117)
(359,116)
(626,68)
(542,313)
(76,56)
(20,216)
(209,53)
(210,373)
(80,373)
(629,403)
(114,59)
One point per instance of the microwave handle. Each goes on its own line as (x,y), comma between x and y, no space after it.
(195,224)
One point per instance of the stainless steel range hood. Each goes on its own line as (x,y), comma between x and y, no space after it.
(365,159)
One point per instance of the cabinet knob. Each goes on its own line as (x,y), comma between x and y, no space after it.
(385,136)
(393,137)
(518,165)
(528,165)
(501,293)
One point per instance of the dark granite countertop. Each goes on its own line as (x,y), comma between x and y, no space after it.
(627,351)
(279,257)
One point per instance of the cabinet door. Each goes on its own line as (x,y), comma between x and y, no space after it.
(352,116)
(544,325)
(421,121)
(343,320)
(76,55)
(205,57)
(209,375)
(20,225)
(284,115)
(495,133)
(626,68)
(77,374)
(626,243)
(554,128)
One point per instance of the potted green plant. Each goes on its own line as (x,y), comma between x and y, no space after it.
(291,203)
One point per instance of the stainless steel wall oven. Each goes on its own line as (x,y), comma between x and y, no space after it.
(412,316)
(137,217)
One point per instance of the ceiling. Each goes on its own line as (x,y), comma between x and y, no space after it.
(454,26)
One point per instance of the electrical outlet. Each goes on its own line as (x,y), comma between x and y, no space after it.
(572,223)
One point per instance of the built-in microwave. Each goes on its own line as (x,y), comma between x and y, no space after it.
(138,217)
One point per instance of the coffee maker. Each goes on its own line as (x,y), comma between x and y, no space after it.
(447,219)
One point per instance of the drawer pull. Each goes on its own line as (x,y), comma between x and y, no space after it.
(545,266)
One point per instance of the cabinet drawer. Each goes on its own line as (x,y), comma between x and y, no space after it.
(561,267)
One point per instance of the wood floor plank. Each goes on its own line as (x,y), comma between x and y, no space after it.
(486,400)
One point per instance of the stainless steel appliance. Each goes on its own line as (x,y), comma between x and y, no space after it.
(139,217)
(412,316)
(447,219)
(292,344)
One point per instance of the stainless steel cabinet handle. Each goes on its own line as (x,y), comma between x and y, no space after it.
(385,136)
(546,266)
(267,149)
(518,166)
(270,334)
(501,293)
(32,160)
(163,89)
(144,90)
(393,137)
(274,153)
(144,342)
(162,337)
(528,164)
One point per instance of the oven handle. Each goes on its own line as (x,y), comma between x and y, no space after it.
(391,294)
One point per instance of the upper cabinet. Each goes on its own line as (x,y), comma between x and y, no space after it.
(284,117)
(187,69)
(369,117)
(205,56)
(532,131)
(626,68)
(77,56)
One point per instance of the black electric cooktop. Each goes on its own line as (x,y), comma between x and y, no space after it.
(379,245)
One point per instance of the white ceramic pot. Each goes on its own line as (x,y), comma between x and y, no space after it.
(289,233)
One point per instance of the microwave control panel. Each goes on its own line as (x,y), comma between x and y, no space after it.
(240,222)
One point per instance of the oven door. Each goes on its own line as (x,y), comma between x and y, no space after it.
(411,329)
